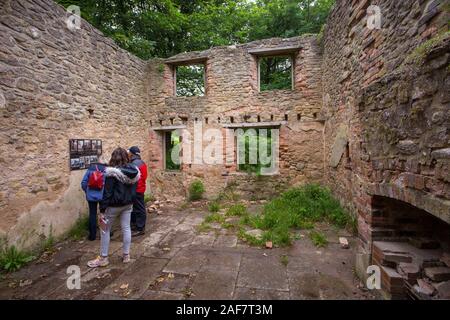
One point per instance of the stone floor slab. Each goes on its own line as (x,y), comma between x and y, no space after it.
(137,278)
(261,273)
(204,240)
(214,284)
(259,294)
(228,241)
(178,239)
(160,252)
(161,295)
(223,260)
(185,262)
(176,283)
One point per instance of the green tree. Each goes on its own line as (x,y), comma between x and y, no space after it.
(161,28)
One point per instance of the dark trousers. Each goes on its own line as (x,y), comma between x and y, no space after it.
(139,213)
(92,219)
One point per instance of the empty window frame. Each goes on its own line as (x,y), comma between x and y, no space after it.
(172,150)
(275,72)
(254,149)
(190,80)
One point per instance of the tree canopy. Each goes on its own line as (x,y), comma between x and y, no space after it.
(162,28)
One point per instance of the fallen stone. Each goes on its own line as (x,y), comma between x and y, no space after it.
(410,270)
(269,245)
(424,287)
(255,233)
(24,283)
(432,263)
(446,259)
(441,154)
(438,274)
(424,243)
(393,259)
(443,289)
(344,243)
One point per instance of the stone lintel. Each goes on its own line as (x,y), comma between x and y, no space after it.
(168,128)
(274,51)
(186,61)
(254,124)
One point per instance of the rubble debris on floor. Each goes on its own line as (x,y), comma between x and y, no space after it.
(416,269)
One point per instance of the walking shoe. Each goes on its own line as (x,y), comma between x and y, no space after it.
(98,262)
(137,233)
(126,258)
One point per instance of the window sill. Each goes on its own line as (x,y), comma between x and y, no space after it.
(246,174)
(172,172)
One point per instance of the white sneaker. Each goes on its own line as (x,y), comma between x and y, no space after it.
(98,262)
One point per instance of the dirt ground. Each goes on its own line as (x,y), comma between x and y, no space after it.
(173,261)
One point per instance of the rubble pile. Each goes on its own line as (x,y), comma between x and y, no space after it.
(416,269)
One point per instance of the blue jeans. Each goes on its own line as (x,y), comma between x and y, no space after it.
(92,220)
(111,213)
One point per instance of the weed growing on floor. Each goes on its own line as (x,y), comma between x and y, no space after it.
(318,239)
(204,227)
(297,208)
(284,259)
(12,259)
(227,225)
(49,242)
(196,190)
(148,198)
(252,240)
(184,206)
(214,206)
(80,229)
(215,217)
(237,210)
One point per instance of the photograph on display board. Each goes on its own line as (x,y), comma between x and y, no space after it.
(87,145)
(80,145)
(83,152)
(75,163)
(73,146)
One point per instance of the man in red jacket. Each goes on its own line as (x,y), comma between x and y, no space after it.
(139,213)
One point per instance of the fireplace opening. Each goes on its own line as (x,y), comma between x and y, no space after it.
(412,249)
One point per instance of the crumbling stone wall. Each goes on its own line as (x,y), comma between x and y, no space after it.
(57,84)
(232,96)
(386,106)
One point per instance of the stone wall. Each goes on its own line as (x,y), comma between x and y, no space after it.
(57,84)
(232,96)
(387,110)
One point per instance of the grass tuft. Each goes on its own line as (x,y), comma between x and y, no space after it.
(204,227)
(196,190)
(237,210)
(215,217)
(214,206)
(12,259)
(80,229)
(297,208)
(284,259)
(318,239)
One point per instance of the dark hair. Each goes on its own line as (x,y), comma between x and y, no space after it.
(119,157)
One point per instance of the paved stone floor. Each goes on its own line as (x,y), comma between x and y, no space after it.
(173,261)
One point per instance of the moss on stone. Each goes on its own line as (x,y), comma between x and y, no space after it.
(419,54)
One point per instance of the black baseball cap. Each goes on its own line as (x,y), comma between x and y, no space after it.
(135,150)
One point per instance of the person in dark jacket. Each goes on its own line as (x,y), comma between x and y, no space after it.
(93,197)
(120,189)
(139,214)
